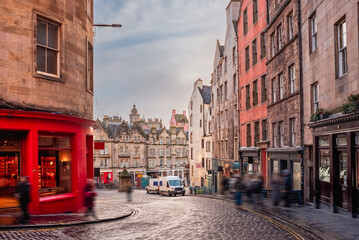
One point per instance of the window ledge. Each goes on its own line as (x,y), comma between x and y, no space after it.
(55,79)
(58,197)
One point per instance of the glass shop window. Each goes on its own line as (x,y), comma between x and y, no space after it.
(343,168)
(324,166)
(54,169)
(296,176)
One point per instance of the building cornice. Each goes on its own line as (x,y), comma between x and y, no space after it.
(334,120)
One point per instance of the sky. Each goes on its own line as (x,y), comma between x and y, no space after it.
(163,47)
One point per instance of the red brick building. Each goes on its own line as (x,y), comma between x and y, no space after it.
(252,86)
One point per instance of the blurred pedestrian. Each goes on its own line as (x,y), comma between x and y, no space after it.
(257,186)
(276,188)
(129,192)
(239,187)
(89,198)
(248,186)
(225,185)
(287,187)
(23,190)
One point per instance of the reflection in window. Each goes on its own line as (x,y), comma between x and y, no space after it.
(343,167)
(324,167)
(54,169)
(296,176)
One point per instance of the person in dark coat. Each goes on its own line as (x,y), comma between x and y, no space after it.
(288,186)
(89,198)
(23,190)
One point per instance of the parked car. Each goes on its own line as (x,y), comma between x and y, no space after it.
(172,185)
(153,186)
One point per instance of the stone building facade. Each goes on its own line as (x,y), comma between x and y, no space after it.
(330,76)
(224,96)
(284,89)
(200,135)
(252,87)
(143,151)
(46,101)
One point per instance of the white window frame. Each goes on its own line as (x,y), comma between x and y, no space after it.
(292,78)
(274,90)
(281,86)
(315,96)
(279,37)
(313,33)
(342,49)
(290,26)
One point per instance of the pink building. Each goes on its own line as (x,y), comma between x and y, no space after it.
(179,120)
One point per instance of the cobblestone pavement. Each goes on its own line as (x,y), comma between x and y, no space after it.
(163,217)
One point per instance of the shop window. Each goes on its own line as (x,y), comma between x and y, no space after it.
(324,166)
(343,168)
(296,176)
(341,140)
(54,169)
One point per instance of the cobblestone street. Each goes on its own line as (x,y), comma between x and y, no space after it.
(159,217)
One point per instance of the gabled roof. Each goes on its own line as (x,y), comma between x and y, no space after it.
(206,94)
(181,118)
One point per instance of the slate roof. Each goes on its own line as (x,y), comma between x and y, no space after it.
(206,94)
(112,129)
(181,118)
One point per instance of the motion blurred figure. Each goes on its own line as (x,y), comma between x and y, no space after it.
(287,187)
(89,198)
(276,189)
(129,192)
(23,190)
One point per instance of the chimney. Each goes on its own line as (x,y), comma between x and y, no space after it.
(105,120)
(173,112)
(184,112)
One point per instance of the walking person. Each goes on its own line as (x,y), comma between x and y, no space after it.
(129,192)
(276,189)
(288,186)
(89,198)
(239,187)
(23,190)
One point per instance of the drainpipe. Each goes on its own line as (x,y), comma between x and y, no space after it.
(301,98)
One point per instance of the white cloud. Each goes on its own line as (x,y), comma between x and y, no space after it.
(154,59)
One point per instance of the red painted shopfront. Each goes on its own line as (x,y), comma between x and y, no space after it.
(54,150)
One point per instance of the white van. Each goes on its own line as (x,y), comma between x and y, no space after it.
(171,185)
(153,186)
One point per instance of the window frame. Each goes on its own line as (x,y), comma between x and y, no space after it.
(263,45)
(245,21)
(279,37)
(263,88)
(342,55)
(313,30)
(290,21)
(264,129)
(291,77)
(248,135)
(274,90)
(281,86)
(46,47)
(255,93)
(255,11)
(315,97)
(248,96)
(247,58)
(273,44)
(254,52)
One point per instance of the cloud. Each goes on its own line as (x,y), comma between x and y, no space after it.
(154,59)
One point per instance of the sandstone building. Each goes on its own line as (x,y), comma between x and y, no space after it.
(200,139)
(284,90)
(46,101)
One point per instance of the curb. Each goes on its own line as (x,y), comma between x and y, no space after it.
(278,217)
(40,226)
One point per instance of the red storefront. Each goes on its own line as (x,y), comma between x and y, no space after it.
(54,150)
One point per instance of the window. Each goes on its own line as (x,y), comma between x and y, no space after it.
(89,72)
(54,169)
(247,58)
(234,83)
(191,137)
(315,97)
(256,133)
(222,93)
(245,22)
(161,141)
(249,137)
(274,89)
(202,143)
(255,11)
(200,123)
(275,134)
(225,90)
(161,151)
(202,162)
(342,48)
(263,45)
(191,105)
(264,130)
(272,40)
(168,150)
(178,152)
(292,132)
(281,133)
(225,64)
(191,121)
(200,108)
(248,97)
(263,88)
(281,86)
(191,153)
(313,33)
(255,92)
(234,56)
(47,48)
(279,37)
(89,8)
(290,26)
(292,78)
(254,51)
(324,165)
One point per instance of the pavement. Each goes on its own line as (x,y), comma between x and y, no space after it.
(317,222)
(104,212)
